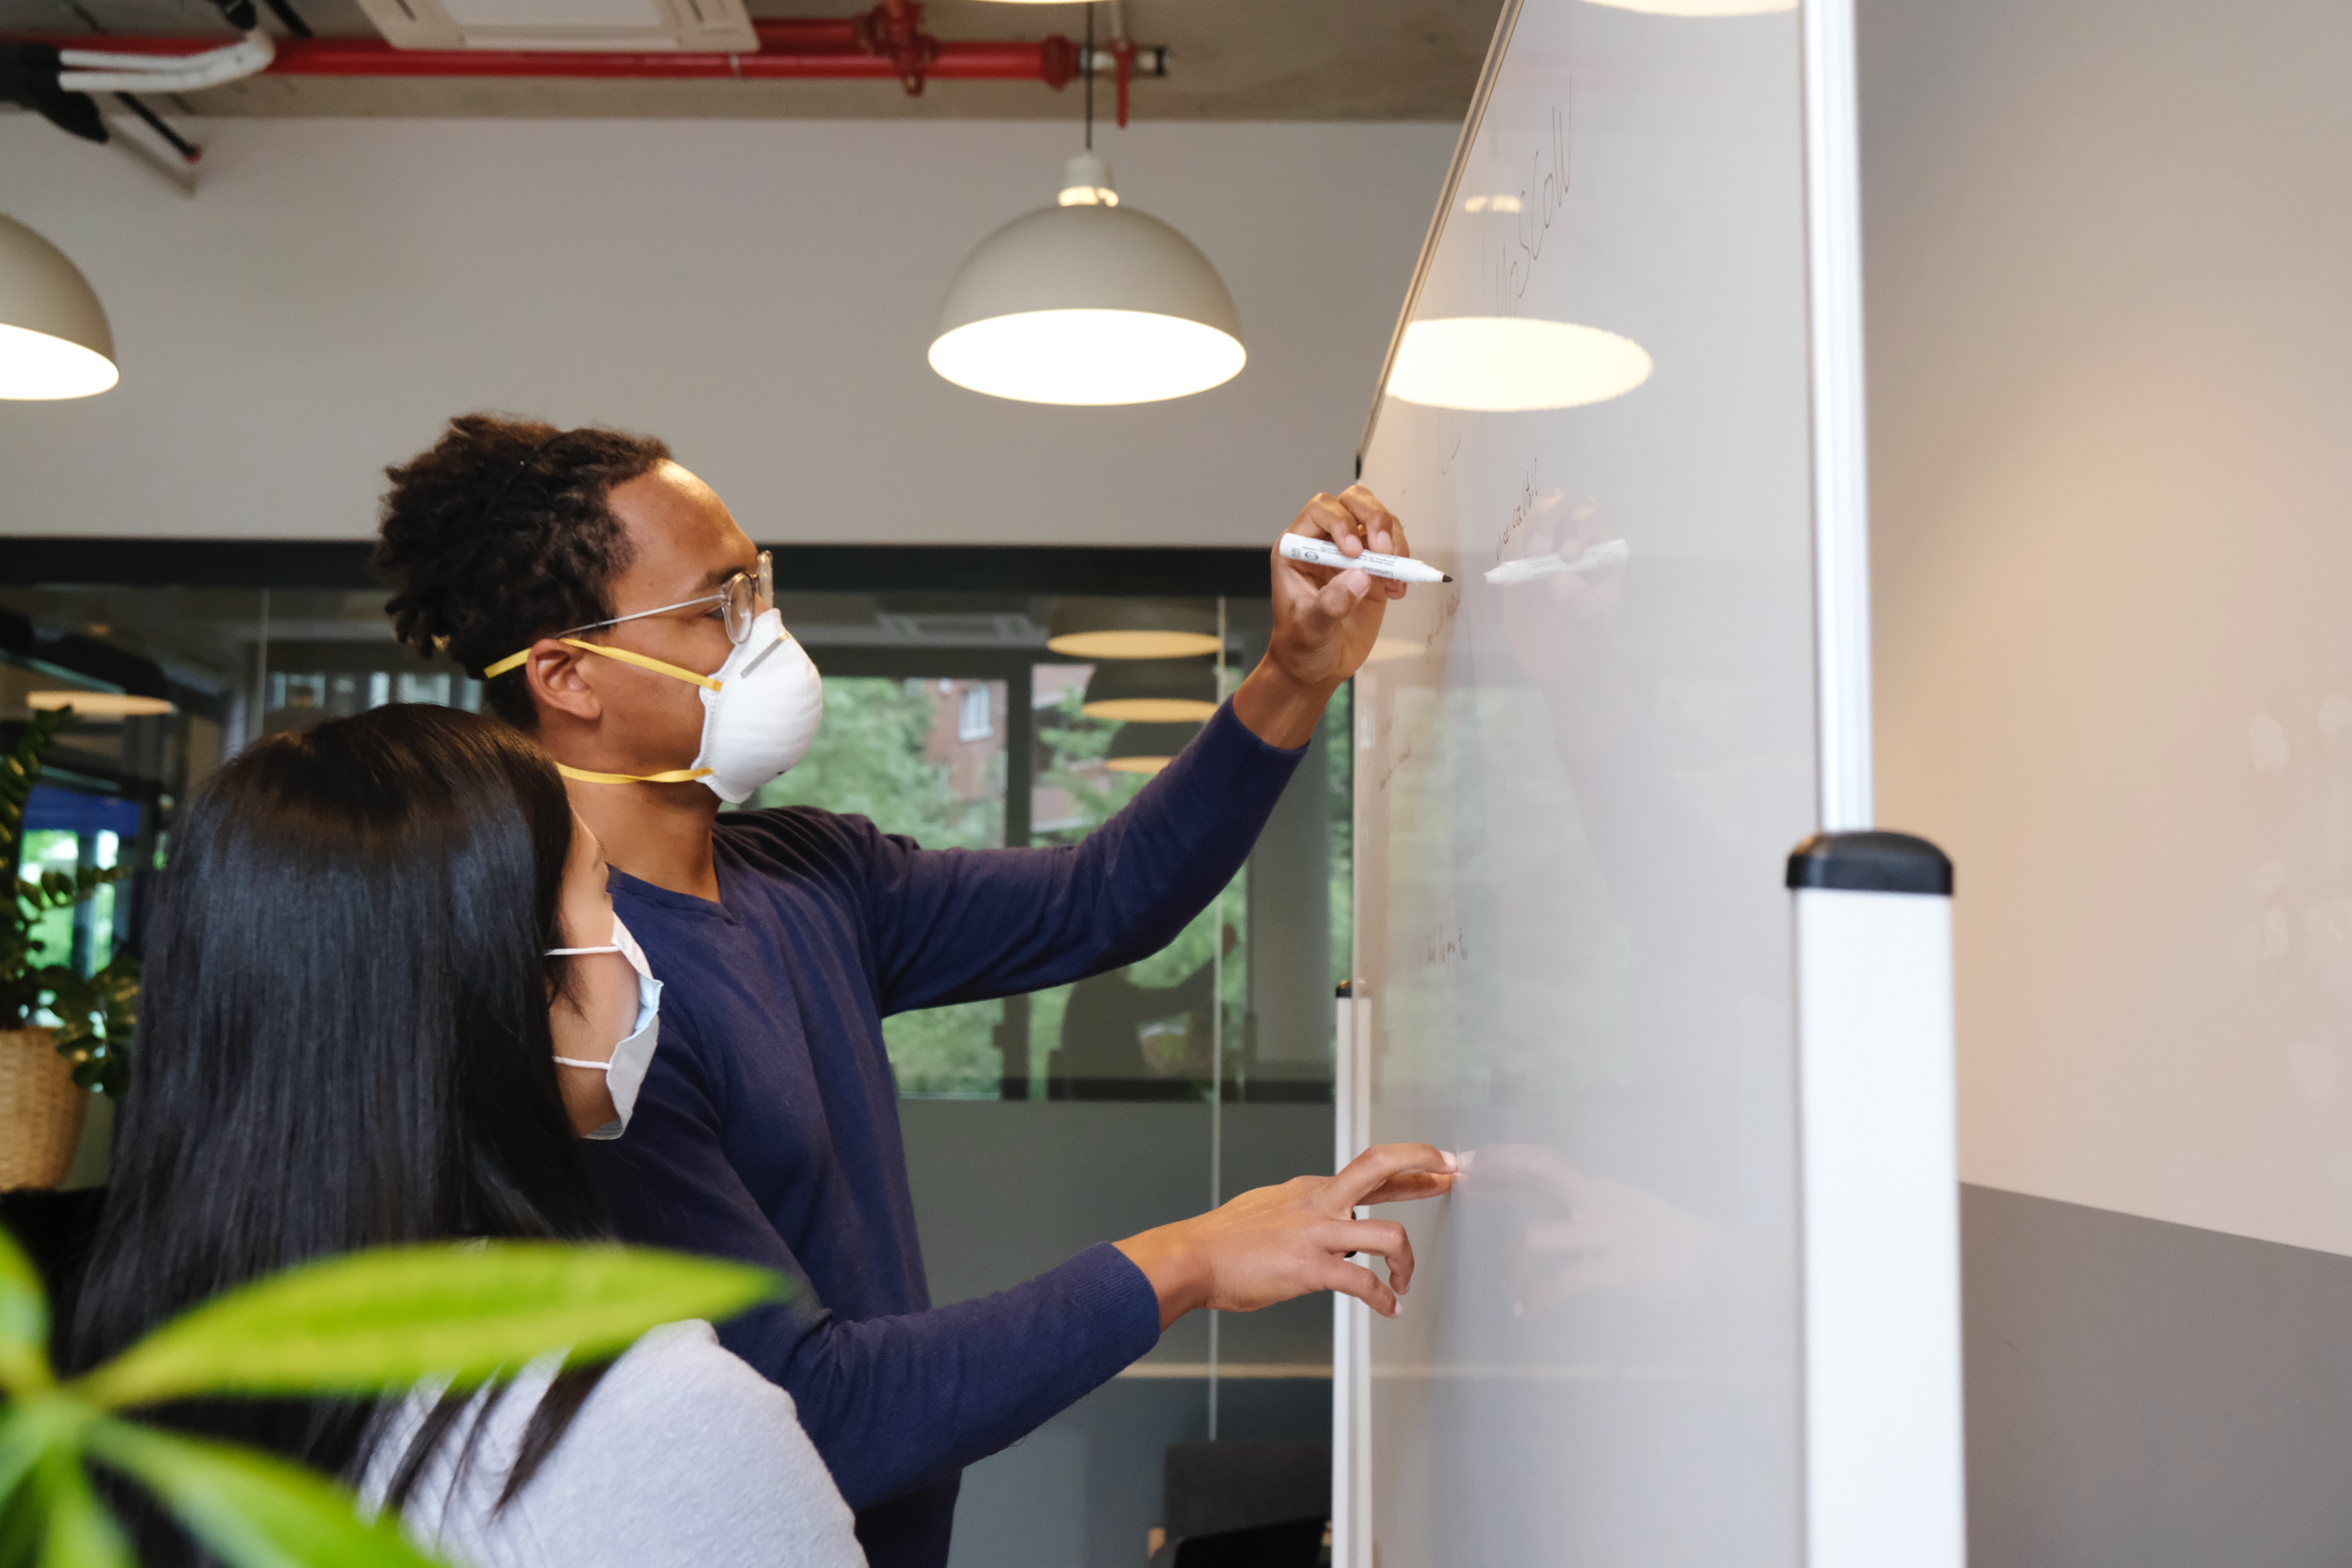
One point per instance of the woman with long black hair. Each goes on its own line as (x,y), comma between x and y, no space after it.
(376,941)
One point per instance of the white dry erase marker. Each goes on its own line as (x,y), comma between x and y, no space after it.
(1609,552)
(1323,552)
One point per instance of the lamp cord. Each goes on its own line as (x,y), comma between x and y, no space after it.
(1090,75)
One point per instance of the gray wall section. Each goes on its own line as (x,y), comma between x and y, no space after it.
(1290,1012)
(2106,244)
(1006,1190)
(2143,1394)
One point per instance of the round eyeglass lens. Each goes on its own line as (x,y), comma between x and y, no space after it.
(740,610)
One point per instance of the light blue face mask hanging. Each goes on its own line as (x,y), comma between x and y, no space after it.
(625,1073)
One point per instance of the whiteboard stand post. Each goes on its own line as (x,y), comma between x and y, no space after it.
(1880,1181)
(1351,1448)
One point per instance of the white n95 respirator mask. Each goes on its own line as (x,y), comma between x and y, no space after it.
(762,716)
(625,1074)
(760,711)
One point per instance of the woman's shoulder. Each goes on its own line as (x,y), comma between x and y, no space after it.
(679,1414)
(681,1454)
(683,1364)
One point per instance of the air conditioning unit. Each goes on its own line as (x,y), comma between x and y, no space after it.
(721,27)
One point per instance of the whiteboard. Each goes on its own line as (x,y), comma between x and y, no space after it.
(1619,410)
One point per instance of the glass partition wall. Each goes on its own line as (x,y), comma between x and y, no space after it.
(1036,1125)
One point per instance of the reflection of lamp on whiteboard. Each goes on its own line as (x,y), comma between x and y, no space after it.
(1498,364)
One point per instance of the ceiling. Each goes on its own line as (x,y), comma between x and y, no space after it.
(1230,59)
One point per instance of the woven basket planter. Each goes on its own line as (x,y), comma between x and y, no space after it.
(40,1110)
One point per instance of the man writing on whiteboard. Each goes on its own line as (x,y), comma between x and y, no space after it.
(614,608)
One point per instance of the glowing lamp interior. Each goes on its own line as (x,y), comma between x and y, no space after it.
(1151,710)
(35,365)
(1133,645)
(98,704)
(1088,357)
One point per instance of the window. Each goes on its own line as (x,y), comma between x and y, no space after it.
(947,720)
(971,715)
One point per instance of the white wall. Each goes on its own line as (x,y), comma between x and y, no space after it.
(760,293)
(2111,443)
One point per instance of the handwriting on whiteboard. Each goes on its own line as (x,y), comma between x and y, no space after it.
(1440,631)
(1522,512)
(1539,203)
(1404,755)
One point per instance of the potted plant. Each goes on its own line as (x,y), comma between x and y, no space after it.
(46,1070)
(364,1325)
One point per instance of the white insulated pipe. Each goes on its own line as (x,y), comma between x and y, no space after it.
(95,70)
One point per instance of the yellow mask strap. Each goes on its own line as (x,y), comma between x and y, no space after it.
(514,660)
(674,775)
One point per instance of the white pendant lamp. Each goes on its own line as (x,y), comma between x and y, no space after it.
(98,704)
(1147,748)
(1088,302)
(54,340)
(1131,629)
(1152,690)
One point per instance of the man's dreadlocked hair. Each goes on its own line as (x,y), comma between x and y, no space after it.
(499,536)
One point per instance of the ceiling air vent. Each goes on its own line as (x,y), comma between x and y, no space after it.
(721,27)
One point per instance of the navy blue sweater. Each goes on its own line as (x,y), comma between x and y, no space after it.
(768,1126)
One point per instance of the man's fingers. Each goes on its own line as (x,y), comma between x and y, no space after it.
(1385,1236)
(1347,1279)
(1376,1166)
(1382,530)
(1337,599)
(1325,518)
(1364,508)
(1411,1186)
(1397,536)
(1398,545)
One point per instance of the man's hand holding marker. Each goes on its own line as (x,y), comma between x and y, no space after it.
(1326,618)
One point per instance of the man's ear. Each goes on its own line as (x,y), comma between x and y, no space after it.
(558,681)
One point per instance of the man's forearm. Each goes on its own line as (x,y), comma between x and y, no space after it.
(1279,708)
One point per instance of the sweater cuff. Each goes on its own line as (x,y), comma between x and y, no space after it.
(1113,1293)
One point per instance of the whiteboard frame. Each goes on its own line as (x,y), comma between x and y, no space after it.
(1840,498)
(1839,424)
(1351,1084)
(1501,45)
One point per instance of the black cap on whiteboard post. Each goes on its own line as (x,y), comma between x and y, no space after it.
(1871,862)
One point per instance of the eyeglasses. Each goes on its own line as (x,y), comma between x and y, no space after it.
(742,599)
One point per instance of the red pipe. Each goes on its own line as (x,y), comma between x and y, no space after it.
(372,57)
(881,45)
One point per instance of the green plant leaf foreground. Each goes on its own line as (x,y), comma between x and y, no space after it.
(382,1321)
(78,1532)
(24,1322)
(24,1436)
(252,1509)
